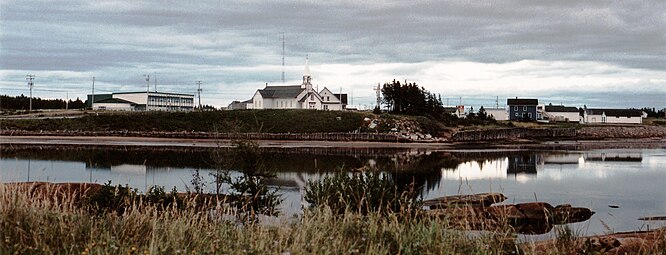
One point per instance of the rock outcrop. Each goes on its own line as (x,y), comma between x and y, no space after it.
(478,212)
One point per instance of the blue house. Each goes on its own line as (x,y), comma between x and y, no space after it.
(522,109)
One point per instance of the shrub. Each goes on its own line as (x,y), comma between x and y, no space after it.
(361,193)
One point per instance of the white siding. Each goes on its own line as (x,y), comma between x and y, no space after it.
(498,114)
(612,119)
(137,98)
(112,106)
(564,116)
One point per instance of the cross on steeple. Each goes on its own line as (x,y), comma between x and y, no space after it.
(307,79)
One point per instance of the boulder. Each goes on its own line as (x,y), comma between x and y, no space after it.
(481,199)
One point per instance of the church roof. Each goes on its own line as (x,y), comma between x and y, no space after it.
(291,91)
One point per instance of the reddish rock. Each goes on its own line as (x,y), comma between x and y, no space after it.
(481,199)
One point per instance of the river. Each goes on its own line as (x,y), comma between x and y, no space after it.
(620,185)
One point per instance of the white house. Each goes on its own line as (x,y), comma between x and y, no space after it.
(458,111)
(561,113)
(301,96)
(617,116)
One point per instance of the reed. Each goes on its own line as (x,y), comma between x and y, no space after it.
(37,224)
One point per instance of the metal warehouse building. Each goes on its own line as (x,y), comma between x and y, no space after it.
(141,101)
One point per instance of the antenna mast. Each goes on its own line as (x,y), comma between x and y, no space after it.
(282,57)
(147,82)
(30,78)
(199,93)
(379,95)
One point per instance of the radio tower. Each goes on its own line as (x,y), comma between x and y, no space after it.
(30,78)
(379,95)
(147,82)
(199,94)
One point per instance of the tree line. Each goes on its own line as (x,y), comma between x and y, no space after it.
(23,103)
(410,99)
(653,113)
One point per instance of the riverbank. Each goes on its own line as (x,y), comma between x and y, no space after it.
(214,143)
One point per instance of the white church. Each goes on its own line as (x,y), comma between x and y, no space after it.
(301,96)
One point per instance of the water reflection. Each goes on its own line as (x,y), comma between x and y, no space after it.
(628,177)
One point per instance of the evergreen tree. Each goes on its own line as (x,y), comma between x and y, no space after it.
(410,99)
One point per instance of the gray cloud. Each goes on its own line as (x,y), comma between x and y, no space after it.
(190,40)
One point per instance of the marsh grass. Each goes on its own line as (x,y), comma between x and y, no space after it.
(38,225)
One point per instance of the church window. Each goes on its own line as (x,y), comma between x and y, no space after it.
(312,97)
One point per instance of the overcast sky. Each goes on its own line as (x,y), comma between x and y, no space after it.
(595,53)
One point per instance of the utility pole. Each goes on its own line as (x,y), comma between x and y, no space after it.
(340,98)
(30,78)
(379,95)
(67,101)
(92,100)
(199,94)
(155,78)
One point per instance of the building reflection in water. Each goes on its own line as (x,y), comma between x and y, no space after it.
(610,156)
(142,168)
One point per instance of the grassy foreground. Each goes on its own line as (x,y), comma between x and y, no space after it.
(34,225)
(47,224)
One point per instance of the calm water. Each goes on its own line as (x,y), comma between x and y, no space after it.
(633,179)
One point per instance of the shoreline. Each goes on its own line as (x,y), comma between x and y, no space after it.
(216,143)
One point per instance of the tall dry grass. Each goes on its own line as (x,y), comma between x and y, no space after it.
(37,224)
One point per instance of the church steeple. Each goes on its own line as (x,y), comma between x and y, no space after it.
(307,80)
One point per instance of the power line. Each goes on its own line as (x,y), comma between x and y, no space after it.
(379,95)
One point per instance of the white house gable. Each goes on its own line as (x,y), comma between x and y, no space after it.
(328,97)
(301,96)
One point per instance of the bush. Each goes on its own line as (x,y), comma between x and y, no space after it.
(361,193)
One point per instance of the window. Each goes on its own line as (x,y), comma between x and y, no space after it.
(524,108)
(515,108)
(529,115)
(312,97)
(325,107)
(516,114)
